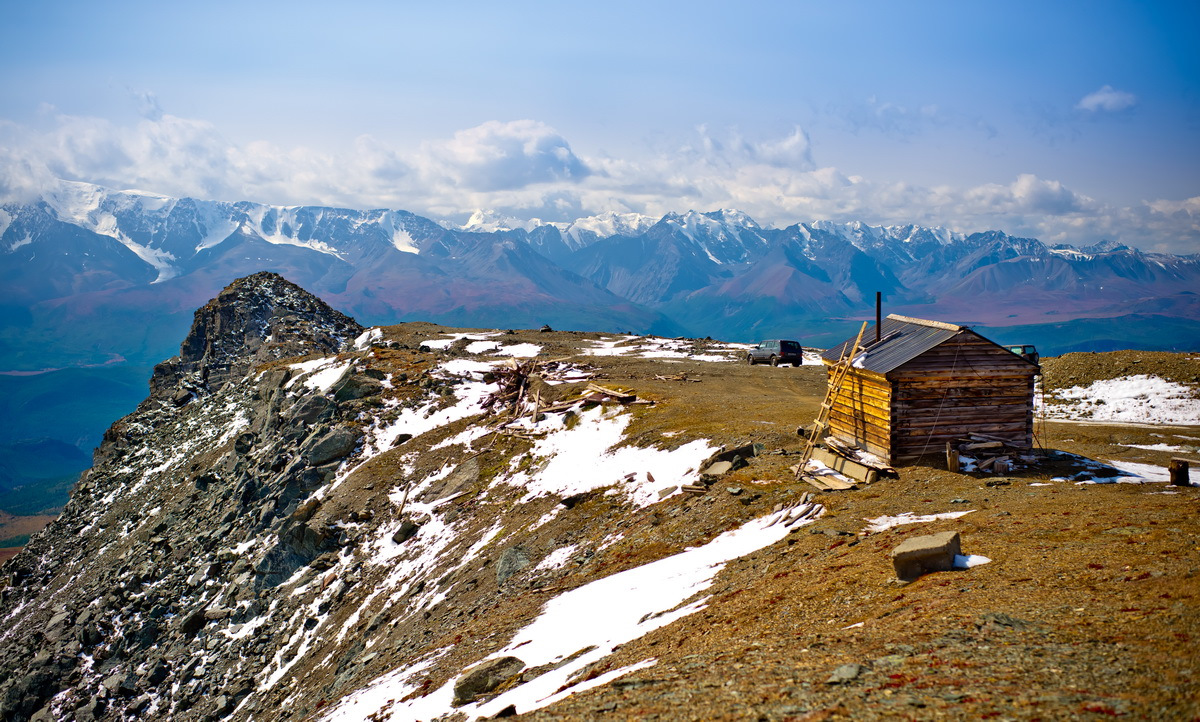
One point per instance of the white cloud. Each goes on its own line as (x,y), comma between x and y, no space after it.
(502,156)
(527,169)
(1107,99)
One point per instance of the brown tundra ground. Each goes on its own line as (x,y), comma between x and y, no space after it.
(1090,607)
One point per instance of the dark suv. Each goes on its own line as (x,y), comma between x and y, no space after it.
(1025,351)
(777,351)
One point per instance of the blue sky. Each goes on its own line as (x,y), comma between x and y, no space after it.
(1073,122)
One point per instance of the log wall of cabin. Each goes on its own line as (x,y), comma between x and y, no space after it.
(862,413)
(966,384)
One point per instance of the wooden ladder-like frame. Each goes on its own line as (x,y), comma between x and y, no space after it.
(840,369)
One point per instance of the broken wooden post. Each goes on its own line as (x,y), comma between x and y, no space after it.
(1178,469)
(951,457)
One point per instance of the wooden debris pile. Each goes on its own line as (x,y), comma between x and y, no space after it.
(842,459)
(991,454)
(530,389)
(512,381)
(806,509)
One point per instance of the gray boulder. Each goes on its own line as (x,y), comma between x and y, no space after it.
(485,677)
(512,560)
(330,446)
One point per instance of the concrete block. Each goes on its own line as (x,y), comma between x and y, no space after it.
(922,554)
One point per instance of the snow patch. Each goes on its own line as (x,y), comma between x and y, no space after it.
(520,350)
(883,523)
(619,609)
(1140,399)
(368,337)
(403,242)
(595,437)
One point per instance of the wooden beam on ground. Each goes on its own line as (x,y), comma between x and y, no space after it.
(818,484)
(846,467)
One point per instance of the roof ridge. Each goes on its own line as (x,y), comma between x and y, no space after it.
(924,322)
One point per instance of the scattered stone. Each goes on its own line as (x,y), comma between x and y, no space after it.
(719,468)
(485,677)
(845,673)
(992,621)
(512,560)
(408,529)
(733,490)
(923,554)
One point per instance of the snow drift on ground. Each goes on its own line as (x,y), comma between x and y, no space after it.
(1130,399)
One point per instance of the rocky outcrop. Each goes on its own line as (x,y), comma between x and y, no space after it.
(152,553)
(256,319)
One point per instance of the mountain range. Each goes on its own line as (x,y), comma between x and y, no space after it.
(100,285)
(91,274)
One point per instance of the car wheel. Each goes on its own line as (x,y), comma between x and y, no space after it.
(774,360)
(749,359)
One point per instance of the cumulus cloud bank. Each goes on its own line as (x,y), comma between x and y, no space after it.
(525,169)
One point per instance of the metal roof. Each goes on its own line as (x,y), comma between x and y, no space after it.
(901,340)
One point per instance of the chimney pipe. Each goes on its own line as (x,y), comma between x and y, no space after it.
(878,314)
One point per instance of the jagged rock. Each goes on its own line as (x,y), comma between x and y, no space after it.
(193,622)
(27,694)
(244,442)
(407,530)
(485,677)
(156,673)
(512,560)
(464,476)
(121,684)
(335,444)
(255,319)
(312,410)
(355,386)
(139,703)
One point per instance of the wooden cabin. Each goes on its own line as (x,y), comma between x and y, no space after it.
(924,383)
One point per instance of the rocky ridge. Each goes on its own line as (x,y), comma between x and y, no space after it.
(383,517)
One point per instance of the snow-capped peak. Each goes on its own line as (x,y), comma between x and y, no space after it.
(489,221)
(584,231)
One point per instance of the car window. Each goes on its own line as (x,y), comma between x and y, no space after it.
(789,345)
